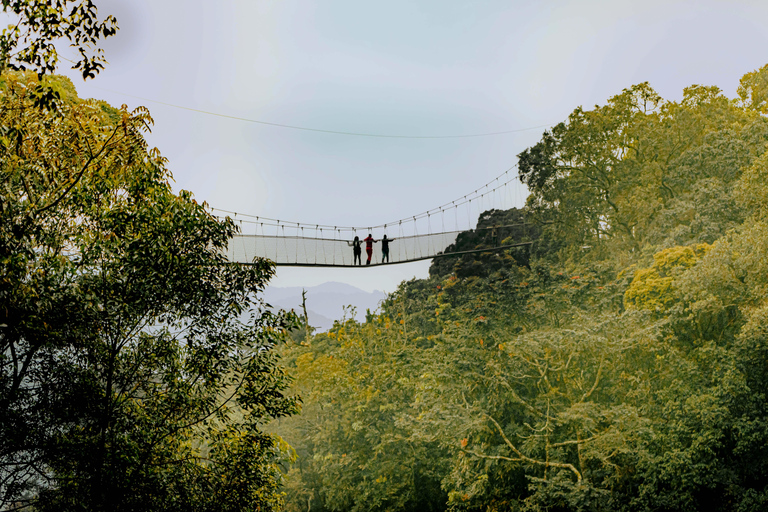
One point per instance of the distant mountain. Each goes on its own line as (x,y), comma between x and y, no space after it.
(325,302)
(316,320)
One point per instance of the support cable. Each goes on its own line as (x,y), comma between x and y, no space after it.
(414,217)
(429,235)
(403,248)
(321,130)
(245,251)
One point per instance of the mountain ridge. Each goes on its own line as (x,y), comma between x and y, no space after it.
(325,302)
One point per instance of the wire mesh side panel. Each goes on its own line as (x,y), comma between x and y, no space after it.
(296,250)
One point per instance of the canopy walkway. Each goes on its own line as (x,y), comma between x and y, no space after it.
(430,234)
(300,251)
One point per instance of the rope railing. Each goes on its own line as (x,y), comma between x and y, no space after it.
(315,251)
(296,243)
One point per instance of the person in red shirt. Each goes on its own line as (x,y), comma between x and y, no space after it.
(369,247)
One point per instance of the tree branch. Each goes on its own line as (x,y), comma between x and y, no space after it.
(524,458)
(74,182)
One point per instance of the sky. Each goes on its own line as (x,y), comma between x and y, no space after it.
(426,68)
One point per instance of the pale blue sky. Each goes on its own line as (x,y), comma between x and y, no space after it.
(395,67)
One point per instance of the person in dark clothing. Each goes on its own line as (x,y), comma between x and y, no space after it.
(357,251)
(385,248)
(369,247)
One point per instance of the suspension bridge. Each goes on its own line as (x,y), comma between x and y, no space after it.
(427,235)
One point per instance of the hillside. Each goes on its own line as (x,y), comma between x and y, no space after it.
(619,363)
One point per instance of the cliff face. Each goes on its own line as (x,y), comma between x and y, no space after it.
(494,228)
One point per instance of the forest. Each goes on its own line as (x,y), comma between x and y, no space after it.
(617,362)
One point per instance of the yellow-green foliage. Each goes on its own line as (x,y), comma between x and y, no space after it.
(752,191)
(753,90)
(653,288)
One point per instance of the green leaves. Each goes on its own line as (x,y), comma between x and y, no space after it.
(642,170)
(31,42)
(753,90)
(654,288)
(137,362)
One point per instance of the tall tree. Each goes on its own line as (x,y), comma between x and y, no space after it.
(577,167)
(137,363)
(640,169)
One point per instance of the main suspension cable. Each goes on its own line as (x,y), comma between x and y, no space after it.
(466,199)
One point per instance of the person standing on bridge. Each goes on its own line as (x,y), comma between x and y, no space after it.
(385,248)
(357,251)
(369,247)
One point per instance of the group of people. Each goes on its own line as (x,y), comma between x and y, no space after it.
(357,248)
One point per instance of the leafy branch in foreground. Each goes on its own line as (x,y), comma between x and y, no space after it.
(137,365)
(30,41)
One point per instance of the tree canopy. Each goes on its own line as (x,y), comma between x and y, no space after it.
(137,364)
(618,364)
